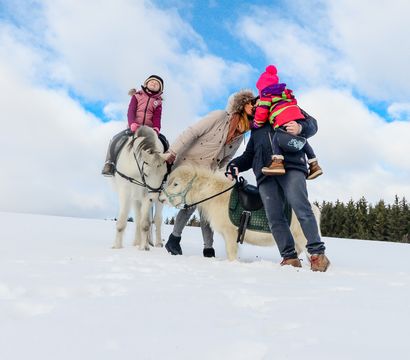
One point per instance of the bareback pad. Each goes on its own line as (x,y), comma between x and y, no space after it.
(245,197)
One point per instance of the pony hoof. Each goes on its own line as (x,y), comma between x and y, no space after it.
(116,247)
(159,245)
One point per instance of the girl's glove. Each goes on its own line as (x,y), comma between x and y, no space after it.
(134,127)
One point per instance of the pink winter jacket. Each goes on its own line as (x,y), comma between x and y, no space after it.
(145,109)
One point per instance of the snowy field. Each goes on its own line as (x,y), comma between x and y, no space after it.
(65,294)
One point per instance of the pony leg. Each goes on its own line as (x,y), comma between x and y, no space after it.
(158,223)
(125,203)
(137,212)
(231,245)
(145,223)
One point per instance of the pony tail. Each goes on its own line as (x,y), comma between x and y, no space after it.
(132,92)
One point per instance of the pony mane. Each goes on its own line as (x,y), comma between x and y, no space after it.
(147,138)
(203,174)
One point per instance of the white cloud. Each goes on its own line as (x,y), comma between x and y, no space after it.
(288,45)
(361,154)
(328,47)
(54,149)
(377,49)
(330,59)
(399,111)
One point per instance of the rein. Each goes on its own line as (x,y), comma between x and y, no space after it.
(143,183)
(184,193)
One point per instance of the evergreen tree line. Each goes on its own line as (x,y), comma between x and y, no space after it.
(193,221)
(357,220)
(361,220)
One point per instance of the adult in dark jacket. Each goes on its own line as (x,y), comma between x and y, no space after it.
(291,186)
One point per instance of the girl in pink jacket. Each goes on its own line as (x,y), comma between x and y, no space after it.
(145,108)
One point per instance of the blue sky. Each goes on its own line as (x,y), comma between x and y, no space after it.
(66,68)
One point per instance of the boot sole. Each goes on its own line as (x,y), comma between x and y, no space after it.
(273,172)
(171,251)
(314,175)
(321,270)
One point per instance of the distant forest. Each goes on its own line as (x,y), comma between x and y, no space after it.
(359,220)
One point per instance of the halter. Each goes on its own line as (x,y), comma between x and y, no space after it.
(184,193)
(143,183)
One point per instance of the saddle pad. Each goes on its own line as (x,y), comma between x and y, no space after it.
(258,221)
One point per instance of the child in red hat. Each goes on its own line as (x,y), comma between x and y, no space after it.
(278,105)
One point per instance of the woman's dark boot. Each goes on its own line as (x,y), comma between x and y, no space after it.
(173,245)
(209,252)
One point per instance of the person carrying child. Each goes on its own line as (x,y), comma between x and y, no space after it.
(145,108)
(278,105)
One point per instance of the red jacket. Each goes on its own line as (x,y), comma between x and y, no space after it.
(278,105)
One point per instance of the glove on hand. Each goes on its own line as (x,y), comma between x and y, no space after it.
(134,127)
(231,171)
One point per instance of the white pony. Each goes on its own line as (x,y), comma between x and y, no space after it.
(140,172)
(188,185)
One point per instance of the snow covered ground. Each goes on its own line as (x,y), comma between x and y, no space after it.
(65,294)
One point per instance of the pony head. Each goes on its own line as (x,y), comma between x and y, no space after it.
(149,157)
(177,191)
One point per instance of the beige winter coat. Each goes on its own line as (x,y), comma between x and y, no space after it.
(203,143)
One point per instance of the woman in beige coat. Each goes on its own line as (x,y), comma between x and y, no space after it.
(211,142)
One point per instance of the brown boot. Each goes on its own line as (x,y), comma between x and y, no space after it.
(275,168)
(319,262)
(108,169)
(314,169)
(294,262)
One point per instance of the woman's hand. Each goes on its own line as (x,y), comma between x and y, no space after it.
(170,157)
(293,128)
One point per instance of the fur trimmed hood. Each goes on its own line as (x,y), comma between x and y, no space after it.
(238,100)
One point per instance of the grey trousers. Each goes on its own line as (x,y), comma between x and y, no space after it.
(115,146)
(292,186)
(182,219)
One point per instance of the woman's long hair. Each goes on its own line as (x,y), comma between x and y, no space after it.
(239,124)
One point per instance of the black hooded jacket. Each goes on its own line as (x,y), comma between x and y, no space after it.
(258,152)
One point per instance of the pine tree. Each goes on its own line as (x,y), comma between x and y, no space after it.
(362,217)
(405,220)
(326,218)
(339,219)
(381,222)
(349,228)
(193,221)
(396,227)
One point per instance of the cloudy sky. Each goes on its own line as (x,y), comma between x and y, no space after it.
(66,67)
